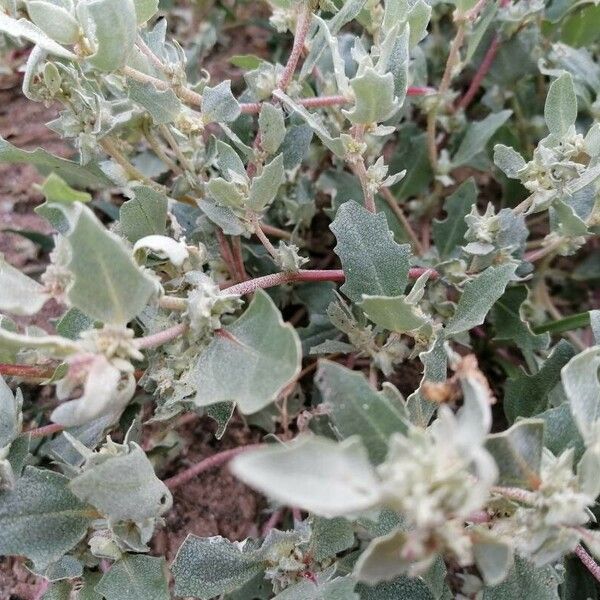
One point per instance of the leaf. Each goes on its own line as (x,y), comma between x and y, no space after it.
(330,537)
(264,187)
(123,487)
(382,560)
(518,453)
(245,61)
(479,296)
(55,21)
(208,567)
(340,588)
(25,29)
(478,135)
(449,234)
(219,104)
(111,26)
(295,145)
(355,408)
(162,105)
(508,160)
(397,314)
(108,286)
(40,518)
(46,162)
(580,380)
(316,474)
(527,395)
(251,361)
(145,10)
(526,581)
(145,214)
(19,295)
(56,189)
(374,98)
(373,263)
(560,431)
(10,414)
(135,577)
(560,110)
(401,588)
(272,127)
(493,557)
(510,326)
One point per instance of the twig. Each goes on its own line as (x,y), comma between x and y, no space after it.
(236,247)
(260,234)
(272,521)
(211,462)
(173,303)
(44,431)
(302,29)
(109,146)
(162,337)
(26,371)
(588,562)
(360,170)
(391,202)
(282,234)
(513,493)
(151,56)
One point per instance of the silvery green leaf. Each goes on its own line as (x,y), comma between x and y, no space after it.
(508,160)
(316,474)
(46,162)
(334,144)
(595,325)
(40,518)
(55,189)
(295,145)
(527,395)
(355,408)
(592,140)
(560,110)
(374,98)
(145,214)
(401,588)
(518,453)
(54,344)
(526,581)
(435,367)
(339,588)
(479,296)
(418,19)
(229,162)
(570,224)
(330,537)
(560,431)
(493,556)
(66,567)
(107,286)
(27,30)
(510,325)
(222,216)
(123,487)
(163,105)
(264,187)
(226,193)
(382,559)
(251,361)
(221,413)
(72,323)
(135,577)
(111,27)
(219,104)
(380,269)
(145,10)
(339,67)
(19,295)
(397,313)
(54,20)
(208,567)
(162,246)
(10,414)
(580,380)
(271,126)
(449,234)
(480,28)
(478,135)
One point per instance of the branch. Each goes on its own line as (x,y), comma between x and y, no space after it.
(162,337)
(391,202)
(211,462)
(588,562)
(26,371)
(44,431)
(302,28)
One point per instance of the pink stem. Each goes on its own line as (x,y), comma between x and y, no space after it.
(42,588)
(27,371)
(590,564)
(162,337)
(302,29)
(44,431)
(273,521)
(211,462)
(482,71)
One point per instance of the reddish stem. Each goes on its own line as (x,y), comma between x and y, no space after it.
(302,29)
(44,431)
(162,337)
(482,71)
(273,521)
(211,462)
(589,563)
(337,275)
(27,371)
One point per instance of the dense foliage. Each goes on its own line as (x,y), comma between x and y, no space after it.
(440,161)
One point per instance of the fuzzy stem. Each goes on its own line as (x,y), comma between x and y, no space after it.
(173,303)
(272,521)
(211,462)
(110,147)
(162,337)
(44,431)
(302,29)
(26,371)
(391,202)
(260,234)
(360,170)
(588,562)
(514,493)
(282,234)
